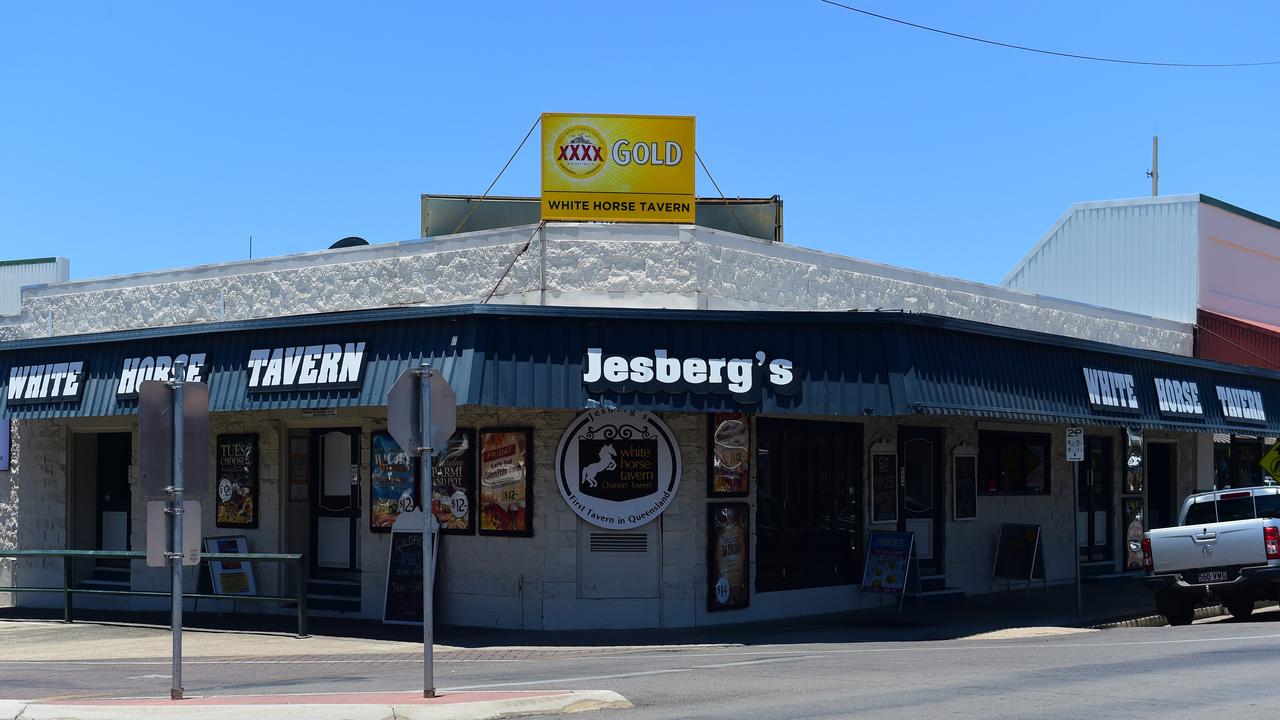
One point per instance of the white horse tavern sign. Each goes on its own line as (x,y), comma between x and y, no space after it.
(618,469)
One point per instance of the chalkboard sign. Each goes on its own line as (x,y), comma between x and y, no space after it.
(964,481)
(403,604)
(1019,554)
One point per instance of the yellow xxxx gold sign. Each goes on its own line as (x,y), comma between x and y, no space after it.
(617,168)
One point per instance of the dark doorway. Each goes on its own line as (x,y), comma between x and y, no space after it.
(808,509)
(114,499)
(921,496)
(335,505)
(1096,484)
(1162,483)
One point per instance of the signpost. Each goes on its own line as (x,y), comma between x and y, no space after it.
(173,430)
(1075,455)
(422,413)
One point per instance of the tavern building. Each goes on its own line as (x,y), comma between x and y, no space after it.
(659,425)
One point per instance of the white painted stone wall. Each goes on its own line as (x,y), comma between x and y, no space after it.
(656,266)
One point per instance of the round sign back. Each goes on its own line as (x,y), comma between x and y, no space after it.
(618,469)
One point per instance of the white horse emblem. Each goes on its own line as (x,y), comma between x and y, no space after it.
(606,462)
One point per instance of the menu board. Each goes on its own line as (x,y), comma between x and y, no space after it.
(230,577)
(728,556)
(392,486)
(730,472)
(888,562)
(884,487)
(453,485)
(237,473)
(403,600)
(1019,555)
(504,482)
(964,480)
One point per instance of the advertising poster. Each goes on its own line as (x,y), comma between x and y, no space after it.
(237,473)
(888,562)
(618,168)
(1133,530)
(884,488)
(230,577)
(392,488)
(453,485)
(504,482)
(728,559)
(1133,462)
(730,455)
(298,451)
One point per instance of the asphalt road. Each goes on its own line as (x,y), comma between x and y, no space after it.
(1215,668)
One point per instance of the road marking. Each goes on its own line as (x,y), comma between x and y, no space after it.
(149,677)
(615,676)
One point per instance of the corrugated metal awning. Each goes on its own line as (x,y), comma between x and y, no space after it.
(848,364)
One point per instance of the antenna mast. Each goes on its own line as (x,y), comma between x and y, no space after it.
(1154,172)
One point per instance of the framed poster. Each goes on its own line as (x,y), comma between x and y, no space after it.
(1133,479)
(230,577)
(964,485)
(728,556)
(506,495)
(888,562)
(884,487)
(453,485)
(392,486)
(730,444)
(237,472)
(1133,530)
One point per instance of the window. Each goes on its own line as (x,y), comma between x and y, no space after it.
(1202,513)
(1268,506)
(1014,463)
(808,520)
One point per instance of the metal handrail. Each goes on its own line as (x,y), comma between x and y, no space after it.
(68,591)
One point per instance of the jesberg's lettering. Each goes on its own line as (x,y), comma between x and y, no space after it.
(661,371)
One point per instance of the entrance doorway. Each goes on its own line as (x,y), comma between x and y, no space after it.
(920,494)
(335,505)
(113,496)
(808,512)
(1162,483)
(1095,515)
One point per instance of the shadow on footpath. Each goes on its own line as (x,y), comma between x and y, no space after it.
(1103,602)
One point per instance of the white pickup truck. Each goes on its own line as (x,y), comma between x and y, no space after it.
(1225,548)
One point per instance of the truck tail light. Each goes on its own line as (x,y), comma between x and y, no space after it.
(1271,539)
(1149,563)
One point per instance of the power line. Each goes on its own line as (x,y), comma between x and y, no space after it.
(1055,53)
(499,177)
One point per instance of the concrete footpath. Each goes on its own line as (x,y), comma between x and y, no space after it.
(362,706)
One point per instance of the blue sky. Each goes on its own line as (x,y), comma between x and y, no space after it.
(138,136)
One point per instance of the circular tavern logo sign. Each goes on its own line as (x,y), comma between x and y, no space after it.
(618,469)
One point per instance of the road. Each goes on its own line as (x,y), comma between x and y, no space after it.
(1218,667)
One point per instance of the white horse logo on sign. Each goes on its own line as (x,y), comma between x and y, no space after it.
(607,461)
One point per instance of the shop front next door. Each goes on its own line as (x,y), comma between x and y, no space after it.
(920,494)
(1094,520)
(335,508)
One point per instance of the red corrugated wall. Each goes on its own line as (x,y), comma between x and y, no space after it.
(1228,339)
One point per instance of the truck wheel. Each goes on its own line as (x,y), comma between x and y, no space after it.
(1240,607)
(1177,610)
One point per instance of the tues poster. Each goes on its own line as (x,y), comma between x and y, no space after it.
(237,472)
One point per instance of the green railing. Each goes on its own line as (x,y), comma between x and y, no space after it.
(68,590)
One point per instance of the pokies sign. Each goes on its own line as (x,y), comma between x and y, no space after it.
(618,168)
(618,469)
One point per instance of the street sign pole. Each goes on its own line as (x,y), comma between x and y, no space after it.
(428,552)
(175,549)
(1075,455)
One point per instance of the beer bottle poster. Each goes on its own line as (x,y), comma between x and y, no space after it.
(237,472)
(391,482)
(730,453)
(453,485)
(504,482)
(728,560)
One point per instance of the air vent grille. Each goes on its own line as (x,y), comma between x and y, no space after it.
(619,542)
